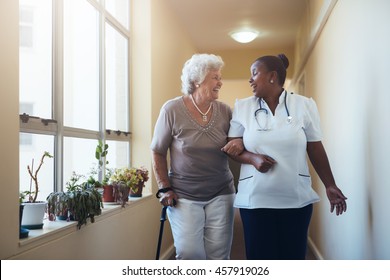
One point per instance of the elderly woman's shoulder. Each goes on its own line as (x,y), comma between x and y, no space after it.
(172,103)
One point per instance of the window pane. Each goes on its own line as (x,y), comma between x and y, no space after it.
(120,10)
(81,65)
(117,89)
(79,157)
(118,154)
(31,154)
(35,56)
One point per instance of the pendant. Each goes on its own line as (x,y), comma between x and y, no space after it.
(204,118)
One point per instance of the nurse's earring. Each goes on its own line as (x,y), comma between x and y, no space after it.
(272,81)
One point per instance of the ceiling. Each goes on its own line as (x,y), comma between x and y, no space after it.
(208,22)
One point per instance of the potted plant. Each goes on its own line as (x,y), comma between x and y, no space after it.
(101,181)
(128,181)
(34,211)
(84,201)
(58,206)
(141,176)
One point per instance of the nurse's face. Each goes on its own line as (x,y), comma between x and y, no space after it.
(260,80)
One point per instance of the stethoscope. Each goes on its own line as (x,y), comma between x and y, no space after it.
(265,111)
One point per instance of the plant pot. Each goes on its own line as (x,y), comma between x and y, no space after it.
(33,215)
(62,217)
(137,191)
(23,232)
(108,193)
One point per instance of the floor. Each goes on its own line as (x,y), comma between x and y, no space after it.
(238,246)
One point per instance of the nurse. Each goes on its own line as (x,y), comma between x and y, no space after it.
(275,196)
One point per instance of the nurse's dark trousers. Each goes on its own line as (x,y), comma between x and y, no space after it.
(276,234)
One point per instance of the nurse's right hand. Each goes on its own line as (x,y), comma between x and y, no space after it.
(262,163)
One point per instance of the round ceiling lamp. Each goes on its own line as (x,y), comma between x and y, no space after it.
(245,36)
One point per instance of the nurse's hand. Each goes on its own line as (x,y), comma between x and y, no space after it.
(262,163)
(337,199)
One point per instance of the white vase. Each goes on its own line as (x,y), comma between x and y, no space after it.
(33,215)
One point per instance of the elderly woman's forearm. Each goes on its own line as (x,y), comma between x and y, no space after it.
(160,168)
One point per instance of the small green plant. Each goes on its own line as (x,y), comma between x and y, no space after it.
(22,196)
(33,194)
(100,154)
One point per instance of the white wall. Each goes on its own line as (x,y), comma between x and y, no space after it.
(347,75)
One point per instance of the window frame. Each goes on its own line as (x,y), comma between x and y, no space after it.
(54,126)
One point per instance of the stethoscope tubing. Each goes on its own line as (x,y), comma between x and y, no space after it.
(261,109)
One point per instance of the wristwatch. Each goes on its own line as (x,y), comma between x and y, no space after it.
(163,190)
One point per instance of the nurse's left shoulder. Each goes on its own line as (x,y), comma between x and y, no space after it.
(301,99)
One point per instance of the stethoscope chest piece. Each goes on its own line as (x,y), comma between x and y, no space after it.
(289,119)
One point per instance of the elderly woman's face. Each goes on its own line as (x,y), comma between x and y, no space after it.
(212,84)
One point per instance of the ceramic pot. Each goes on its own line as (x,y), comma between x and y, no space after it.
(23,232)
(138,191)
(33,215)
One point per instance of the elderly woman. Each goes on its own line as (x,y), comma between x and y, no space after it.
(199,185)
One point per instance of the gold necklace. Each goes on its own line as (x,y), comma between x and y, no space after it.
(204,115)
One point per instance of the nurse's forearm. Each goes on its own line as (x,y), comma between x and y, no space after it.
(245,157)
(261,162)
(320,162)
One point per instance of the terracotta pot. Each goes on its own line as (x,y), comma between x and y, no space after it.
(108,193)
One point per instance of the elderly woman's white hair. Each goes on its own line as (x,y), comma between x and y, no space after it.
(196,68)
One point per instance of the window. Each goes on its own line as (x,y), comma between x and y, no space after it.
(74,87)
(26,16)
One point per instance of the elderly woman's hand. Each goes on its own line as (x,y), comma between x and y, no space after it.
(168,199)
(234,147)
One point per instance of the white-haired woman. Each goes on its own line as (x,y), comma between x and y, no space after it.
(199,184)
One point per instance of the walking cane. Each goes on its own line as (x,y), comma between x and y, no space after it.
(162,220)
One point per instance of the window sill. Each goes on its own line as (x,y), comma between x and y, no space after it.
(53,230)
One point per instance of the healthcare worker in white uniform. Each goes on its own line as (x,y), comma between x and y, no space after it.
(275,195)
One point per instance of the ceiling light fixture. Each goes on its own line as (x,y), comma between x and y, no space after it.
(245,36)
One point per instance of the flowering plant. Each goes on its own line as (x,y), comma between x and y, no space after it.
(127,181)
(132,177)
